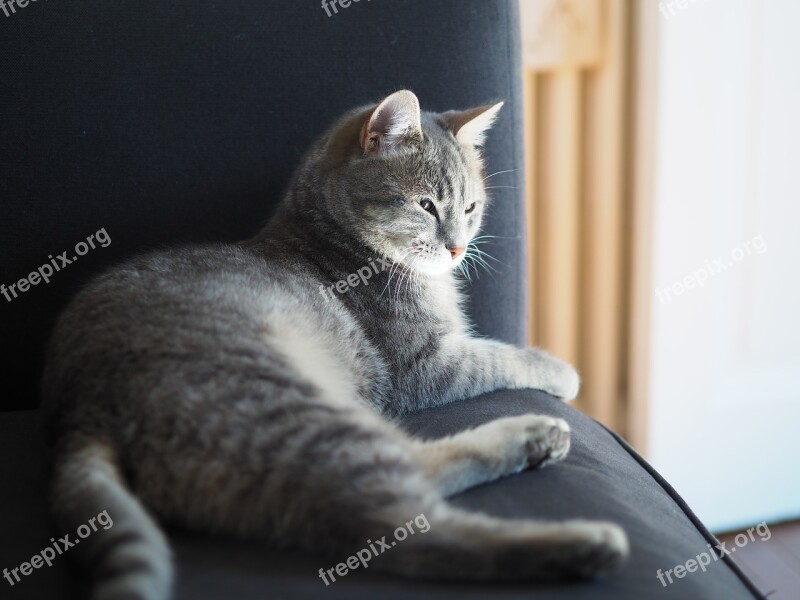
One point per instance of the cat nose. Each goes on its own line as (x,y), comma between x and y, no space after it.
(456,252)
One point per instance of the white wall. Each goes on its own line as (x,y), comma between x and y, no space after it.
(724,424)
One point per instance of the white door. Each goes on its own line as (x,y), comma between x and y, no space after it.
(724,386)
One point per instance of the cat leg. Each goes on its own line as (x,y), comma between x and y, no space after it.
(493,450)
(344,482)
(496,365)
(463,545)
(483,366)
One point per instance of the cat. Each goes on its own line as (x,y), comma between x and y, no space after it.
(214,387)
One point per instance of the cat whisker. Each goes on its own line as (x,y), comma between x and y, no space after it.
(478,257)
(483,259)
(414,285)
(483,255)
(499,173)
(464,268)
(486,265)
(396,265)
(405,275)
(479,242)
(492,237)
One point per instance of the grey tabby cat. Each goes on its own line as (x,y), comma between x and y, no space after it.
(215,387)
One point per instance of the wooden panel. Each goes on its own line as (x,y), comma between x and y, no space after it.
(557,191)
(577,82)
(559,34)
(603,273)
(644,89)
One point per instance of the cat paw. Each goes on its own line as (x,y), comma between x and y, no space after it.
(599,548)
(550,374)
(569,383)
(547,441)
(562,380)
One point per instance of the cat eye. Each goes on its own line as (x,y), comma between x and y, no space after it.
(427,205)
(470,208)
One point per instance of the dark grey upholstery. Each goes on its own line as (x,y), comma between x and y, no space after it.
(600,479)
(181,121)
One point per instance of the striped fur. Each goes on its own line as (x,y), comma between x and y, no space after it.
(215,387)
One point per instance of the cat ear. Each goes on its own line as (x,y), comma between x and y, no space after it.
(394,122)
(470,126)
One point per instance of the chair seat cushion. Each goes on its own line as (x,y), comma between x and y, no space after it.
(601,479)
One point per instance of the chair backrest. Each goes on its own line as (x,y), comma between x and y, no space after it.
(162,122)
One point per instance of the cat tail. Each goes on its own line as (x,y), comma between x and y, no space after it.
(113,535)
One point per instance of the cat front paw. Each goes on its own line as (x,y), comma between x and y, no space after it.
(552,375)
(568,382)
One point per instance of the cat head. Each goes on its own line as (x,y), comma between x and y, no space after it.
(408,184)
